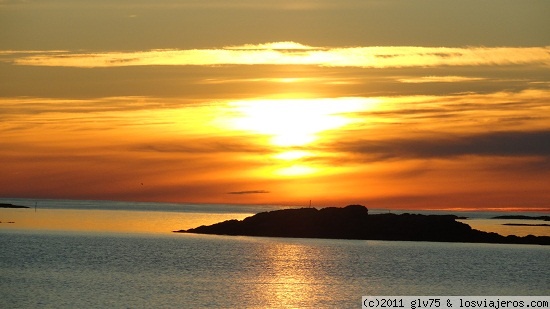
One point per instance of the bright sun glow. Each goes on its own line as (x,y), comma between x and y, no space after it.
(292,126)
(296,122)
(292,155)
(296,170)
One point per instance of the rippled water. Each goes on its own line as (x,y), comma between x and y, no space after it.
(114,270)
(72,254)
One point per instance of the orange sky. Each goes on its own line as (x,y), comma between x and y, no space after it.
(268,116)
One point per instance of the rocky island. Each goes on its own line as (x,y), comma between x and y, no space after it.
(5,205)
(354,222)
(522,217)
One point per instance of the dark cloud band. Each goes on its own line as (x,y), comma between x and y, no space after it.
(249,192)
(508,143)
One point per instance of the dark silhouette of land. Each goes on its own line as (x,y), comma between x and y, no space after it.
(354,222)
(522,217)
(5,205)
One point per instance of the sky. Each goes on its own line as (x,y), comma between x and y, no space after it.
(394,104)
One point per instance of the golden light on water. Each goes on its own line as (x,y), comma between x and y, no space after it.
(110,220)
(288,275)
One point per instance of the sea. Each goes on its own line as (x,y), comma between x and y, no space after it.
(103,254)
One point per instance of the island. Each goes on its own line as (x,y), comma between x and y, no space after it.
(522,217)
(355,222)
(5,205)
(525,224)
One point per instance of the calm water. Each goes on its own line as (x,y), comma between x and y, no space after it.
(122,266)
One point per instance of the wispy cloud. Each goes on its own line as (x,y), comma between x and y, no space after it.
(211,145)
(249,192)
(502,144)
(291,53)
(283,5)
(286,45)
(439,79)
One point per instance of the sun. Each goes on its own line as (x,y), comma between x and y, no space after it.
(295,122)
(293,128)
(291,155)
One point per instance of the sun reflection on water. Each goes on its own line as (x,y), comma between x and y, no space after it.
(290,281)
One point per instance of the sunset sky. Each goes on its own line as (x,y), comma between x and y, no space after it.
(392,104)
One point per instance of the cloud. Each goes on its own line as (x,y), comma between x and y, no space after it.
(249,192)
(282,5)
(439,79)
(202,146)
(292,53)
(286,45)
(504,143)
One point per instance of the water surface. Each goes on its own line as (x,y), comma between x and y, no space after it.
(115,270)
(82,254)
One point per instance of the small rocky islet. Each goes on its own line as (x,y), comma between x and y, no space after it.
(6,205)
(355,222)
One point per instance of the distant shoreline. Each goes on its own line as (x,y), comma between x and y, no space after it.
(522,217)
(354,222)
(525,224)
(5,205)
